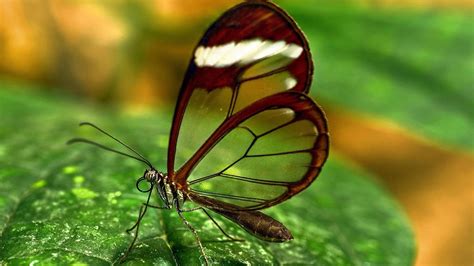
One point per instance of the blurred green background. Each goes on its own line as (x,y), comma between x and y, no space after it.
(396,79)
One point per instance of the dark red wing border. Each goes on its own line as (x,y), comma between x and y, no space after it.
(251,19)
(304,108)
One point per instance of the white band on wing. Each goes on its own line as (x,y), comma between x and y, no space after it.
(244,52)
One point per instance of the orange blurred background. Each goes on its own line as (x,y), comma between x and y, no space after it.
(134,54)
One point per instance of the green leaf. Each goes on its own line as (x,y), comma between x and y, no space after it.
(72,204)
(412,67)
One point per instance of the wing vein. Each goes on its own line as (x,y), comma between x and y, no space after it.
(202,179)
(254,180)
(275,129)
(264,75)
(227,196)
(279,153)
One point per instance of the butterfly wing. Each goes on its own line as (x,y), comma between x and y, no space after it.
(252,51)
(263,155)
(244,133)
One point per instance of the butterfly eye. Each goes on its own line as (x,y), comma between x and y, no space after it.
(148,176)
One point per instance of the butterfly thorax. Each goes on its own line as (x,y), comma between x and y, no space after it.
(167,190)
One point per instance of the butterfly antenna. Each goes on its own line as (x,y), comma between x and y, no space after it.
(87,141)
(143,159)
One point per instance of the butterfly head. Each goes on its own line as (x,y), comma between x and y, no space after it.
(153,176)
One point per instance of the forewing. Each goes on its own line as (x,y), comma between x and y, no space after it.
(261,156)
(253,51)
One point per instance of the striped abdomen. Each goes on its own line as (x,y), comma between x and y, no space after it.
(259,224)
(254,222)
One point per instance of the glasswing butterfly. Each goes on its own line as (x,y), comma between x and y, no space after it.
(245,135)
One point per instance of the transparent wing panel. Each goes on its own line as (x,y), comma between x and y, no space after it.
(268,120)
(266,66)
(256,162)
(226,152)
(207,109)
(258,88)
(236,191)
(281,168)
(213,106)
(295,136)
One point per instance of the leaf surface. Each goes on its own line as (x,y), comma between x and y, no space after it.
(72,204)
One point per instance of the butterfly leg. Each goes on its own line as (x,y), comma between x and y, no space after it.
(220,228)
(140,217)
(191,210)
(143,214)
(158,207)
(214,221)
(180,213)
(136,227)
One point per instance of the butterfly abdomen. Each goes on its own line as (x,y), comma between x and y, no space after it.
(256,223)
(259,225)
